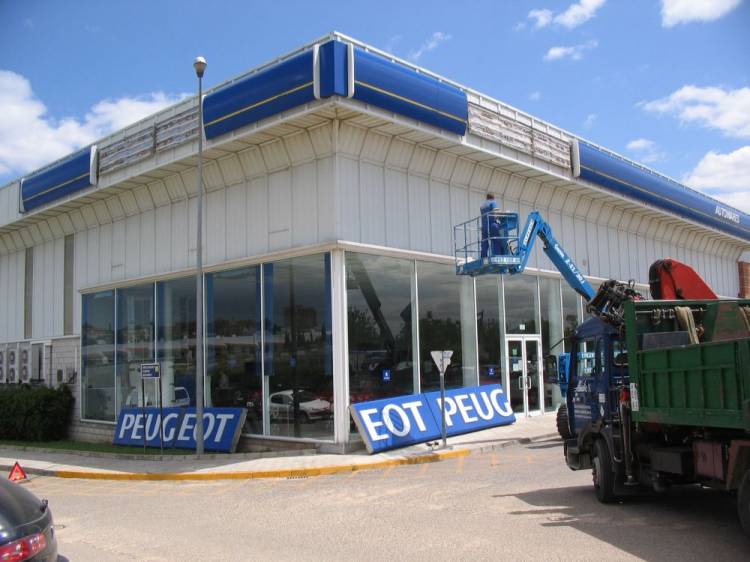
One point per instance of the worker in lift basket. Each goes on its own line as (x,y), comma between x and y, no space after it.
(490,227)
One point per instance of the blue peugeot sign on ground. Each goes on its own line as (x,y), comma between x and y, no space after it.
(405,420)
(221,427)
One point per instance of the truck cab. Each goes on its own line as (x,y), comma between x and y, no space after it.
(597,374)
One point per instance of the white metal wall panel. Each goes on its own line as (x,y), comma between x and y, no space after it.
(279,210)
(216,226)
(258,216)
(419,213)
(348,193)
(133,232)
(327,204)
(236,223)
(440,215)
(179,235)
(304,204)
(372,201)
(118,250)
(581,244)
(148,242)
(396,209)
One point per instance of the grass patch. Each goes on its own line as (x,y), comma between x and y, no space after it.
(67,445)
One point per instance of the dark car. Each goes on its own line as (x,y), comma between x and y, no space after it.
(26,528)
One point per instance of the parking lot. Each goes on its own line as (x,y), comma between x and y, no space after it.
(521,503)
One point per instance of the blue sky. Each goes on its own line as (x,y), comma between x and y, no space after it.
(664,82)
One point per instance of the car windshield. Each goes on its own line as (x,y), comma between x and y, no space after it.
(304,396)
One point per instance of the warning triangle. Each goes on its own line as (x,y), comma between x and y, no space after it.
(17,473)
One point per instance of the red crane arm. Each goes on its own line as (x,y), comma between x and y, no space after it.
(670,279)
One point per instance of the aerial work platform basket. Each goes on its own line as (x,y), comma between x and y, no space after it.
(487,244)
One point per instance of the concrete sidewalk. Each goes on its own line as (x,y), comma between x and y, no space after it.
(176,467)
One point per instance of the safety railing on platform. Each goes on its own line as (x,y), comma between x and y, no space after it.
(487,244)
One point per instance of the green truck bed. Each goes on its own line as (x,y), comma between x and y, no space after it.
(704,384)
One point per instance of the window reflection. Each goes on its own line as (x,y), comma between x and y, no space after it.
(135,344)
(176,340)
(488,330)
(298,359)
(379,312)
(521,304)
(552,336)
(98,357)
(233,361)
(446,321)
(571,302)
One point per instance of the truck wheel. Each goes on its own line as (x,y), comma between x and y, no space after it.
(602,472)
(562,422)
(743,503)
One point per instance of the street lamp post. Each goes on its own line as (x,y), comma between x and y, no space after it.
(200,67)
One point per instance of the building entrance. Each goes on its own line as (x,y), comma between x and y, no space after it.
(524,373)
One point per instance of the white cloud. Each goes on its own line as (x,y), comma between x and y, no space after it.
(391,44)
(535,96)
(30,138)
(712,107)
(574,52)
(576,14)
(591,118)
(675,12)
(435,40)
(579,13)
(724,176)
(542,18)
(645,150)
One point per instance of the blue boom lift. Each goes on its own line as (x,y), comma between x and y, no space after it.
(492,243)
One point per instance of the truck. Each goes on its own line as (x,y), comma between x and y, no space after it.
(657,391)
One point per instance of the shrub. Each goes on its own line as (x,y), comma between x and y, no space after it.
(34,413)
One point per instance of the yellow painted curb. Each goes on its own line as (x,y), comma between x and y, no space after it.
(253,474)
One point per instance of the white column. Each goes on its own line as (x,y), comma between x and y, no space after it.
(340,347)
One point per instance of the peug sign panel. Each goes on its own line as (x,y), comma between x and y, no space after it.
(221,427)
(406,420)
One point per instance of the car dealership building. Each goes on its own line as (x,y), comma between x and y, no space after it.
(333,176)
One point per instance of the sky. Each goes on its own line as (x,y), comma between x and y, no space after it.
(665,82)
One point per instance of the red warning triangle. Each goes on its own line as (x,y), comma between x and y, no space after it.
(17,473)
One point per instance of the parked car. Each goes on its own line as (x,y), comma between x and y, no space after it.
(310,406)
(26,527)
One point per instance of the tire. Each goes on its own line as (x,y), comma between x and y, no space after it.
(602,472)
(562,422)
(743,503)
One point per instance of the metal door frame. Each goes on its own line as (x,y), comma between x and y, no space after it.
(523,338)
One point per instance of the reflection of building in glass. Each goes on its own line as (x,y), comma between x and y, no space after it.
(329,255)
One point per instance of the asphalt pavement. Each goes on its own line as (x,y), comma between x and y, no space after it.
(518,502)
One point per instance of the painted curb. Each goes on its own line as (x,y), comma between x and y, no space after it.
(304,472)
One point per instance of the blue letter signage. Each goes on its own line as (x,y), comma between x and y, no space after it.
(405,420)
(221,427)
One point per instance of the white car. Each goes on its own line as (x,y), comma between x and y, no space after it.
(310,406)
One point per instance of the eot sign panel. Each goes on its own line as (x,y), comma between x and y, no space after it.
(406,420)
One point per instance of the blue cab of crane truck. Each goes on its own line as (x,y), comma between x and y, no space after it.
(27,531)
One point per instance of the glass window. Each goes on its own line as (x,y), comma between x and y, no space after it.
(298,359)
(521,304)
(571,303)
(135,344)
(176,340)
(552,336)
(488,329)
(446,321)
(379,318)
(233,358)
(98,356)
(586,358)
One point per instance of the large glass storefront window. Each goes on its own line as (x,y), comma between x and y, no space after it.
(446,322)
(98,357)
(298,358)
(233,342)
(521,304)
(552,336)
(488,330)
(571,303)
(379,318)
(176,340)
(135,344)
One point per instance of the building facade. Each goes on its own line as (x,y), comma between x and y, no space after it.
(333,176)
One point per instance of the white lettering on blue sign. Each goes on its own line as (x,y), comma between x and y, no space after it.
(406,420)
(727,214)
(221,427)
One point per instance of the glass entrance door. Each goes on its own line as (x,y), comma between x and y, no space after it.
(524,373)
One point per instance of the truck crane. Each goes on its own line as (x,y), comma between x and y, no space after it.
(658,392)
